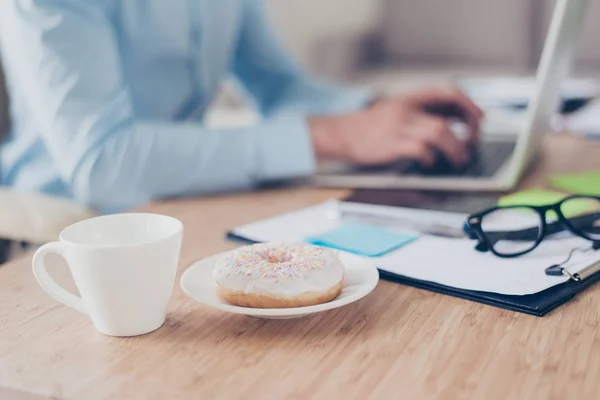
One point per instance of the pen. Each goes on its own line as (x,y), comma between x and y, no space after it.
(394,221)
(588,270)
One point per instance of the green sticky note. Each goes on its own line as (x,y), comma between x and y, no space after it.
(541,197)
(579,183)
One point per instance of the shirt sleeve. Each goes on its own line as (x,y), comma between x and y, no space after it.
(63,55)
(275,82)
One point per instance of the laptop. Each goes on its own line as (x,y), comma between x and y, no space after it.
(499,160)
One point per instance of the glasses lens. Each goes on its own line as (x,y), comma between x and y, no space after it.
(583,214)
(512,231)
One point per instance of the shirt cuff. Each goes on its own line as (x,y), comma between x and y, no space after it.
(284,149)
(352,99)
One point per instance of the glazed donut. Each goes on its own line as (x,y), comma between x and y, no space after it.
(279,275)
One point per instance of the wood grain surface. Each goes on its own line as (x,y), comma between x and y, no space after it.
(398,342)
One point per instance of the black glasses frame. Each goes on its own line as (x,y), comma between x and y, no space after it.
(487,240)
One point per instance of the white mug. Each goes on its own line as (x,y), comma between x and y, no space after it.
(124,266)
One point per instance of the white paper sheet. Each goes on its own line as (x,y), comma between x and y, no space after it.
(451,262)
(586,121)
(501,91)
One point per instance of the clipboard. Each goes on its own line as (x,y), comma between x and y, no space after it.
(538,304)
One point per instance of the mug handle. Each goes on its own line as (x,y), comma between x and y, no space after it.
(49,284)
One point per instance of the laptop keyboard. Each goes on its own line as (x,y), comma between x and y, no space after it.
(488,158)
(485,160)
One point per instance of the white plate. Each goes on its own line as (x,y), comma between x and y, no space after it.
(360,279)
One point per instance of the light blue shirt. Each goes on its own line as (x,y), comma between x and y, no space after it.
(108,98)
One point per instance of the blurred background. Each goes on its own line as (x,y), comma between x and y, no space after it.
(374,41)
(397,45)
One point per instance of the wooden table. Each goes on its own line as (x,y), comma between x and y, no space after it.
(398,342)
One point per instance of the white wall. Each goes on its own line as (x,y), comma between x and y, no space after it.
(467,32)
(589,47)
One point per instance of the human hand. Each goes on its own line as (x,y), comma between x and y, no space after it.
(398,128)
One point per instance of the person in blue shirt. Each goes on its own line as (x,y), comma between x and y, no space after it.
(108,97)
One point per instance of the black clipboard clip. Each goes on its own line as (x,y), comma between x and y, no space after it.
(559,270)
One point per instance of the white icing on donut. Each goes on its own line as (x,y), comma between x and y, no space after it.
(279,269)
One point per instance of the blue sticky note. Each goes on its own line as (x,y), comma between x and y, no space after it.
(362,239)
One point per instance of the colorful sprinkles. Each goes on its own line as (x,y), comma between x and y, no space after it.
(279,261)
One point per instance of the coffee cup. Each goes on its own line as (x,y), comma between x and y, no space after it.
(124,266)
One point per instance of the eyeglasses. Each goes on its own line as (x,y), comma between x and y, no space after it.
(516,230)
